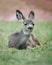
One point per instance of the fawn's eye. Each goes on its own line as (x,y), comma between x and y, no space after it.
(33,24)
(25,24)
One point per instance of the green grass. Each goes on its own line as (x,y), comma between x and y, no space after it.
(38,56)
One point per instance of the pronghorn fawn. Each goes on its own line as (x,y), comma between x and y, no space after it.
(24,39)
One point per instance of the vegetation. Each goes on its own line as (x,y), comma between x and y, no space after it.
(38,56)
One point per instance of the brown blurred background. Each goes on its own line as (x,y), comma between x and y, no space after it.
(42,9)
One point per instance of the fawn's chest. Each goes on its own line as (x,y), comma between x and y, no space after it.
(23,38)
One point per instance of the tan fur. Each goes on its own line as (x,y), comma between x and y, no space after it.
(32,41)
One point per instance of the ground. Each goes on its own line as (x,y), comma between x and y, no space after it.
(38,56)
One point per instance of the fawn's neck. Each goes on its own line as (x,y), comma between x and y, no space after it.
(23,38)
(25,32)
(24,35)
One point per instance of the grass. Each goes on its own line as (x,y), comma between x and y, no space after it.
(38,56)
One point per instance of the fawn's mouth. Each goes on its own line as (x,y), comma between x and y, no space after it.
(29,30)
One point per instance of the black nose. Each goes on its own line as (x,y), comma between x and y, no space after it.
(30,27)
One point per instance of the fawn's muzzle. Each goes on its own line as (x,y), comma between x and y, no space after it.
(30,28)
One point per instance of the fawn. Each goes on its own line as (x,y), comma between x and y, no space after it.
(21,40)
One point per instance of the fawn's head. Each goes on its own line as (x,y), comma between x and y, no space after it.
(28,23)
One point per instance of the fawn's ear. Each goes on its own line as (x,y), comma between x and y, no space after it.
(31,15)
(19,15)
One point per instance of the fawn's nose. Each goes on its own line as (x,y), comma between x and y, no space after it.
(30,27)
